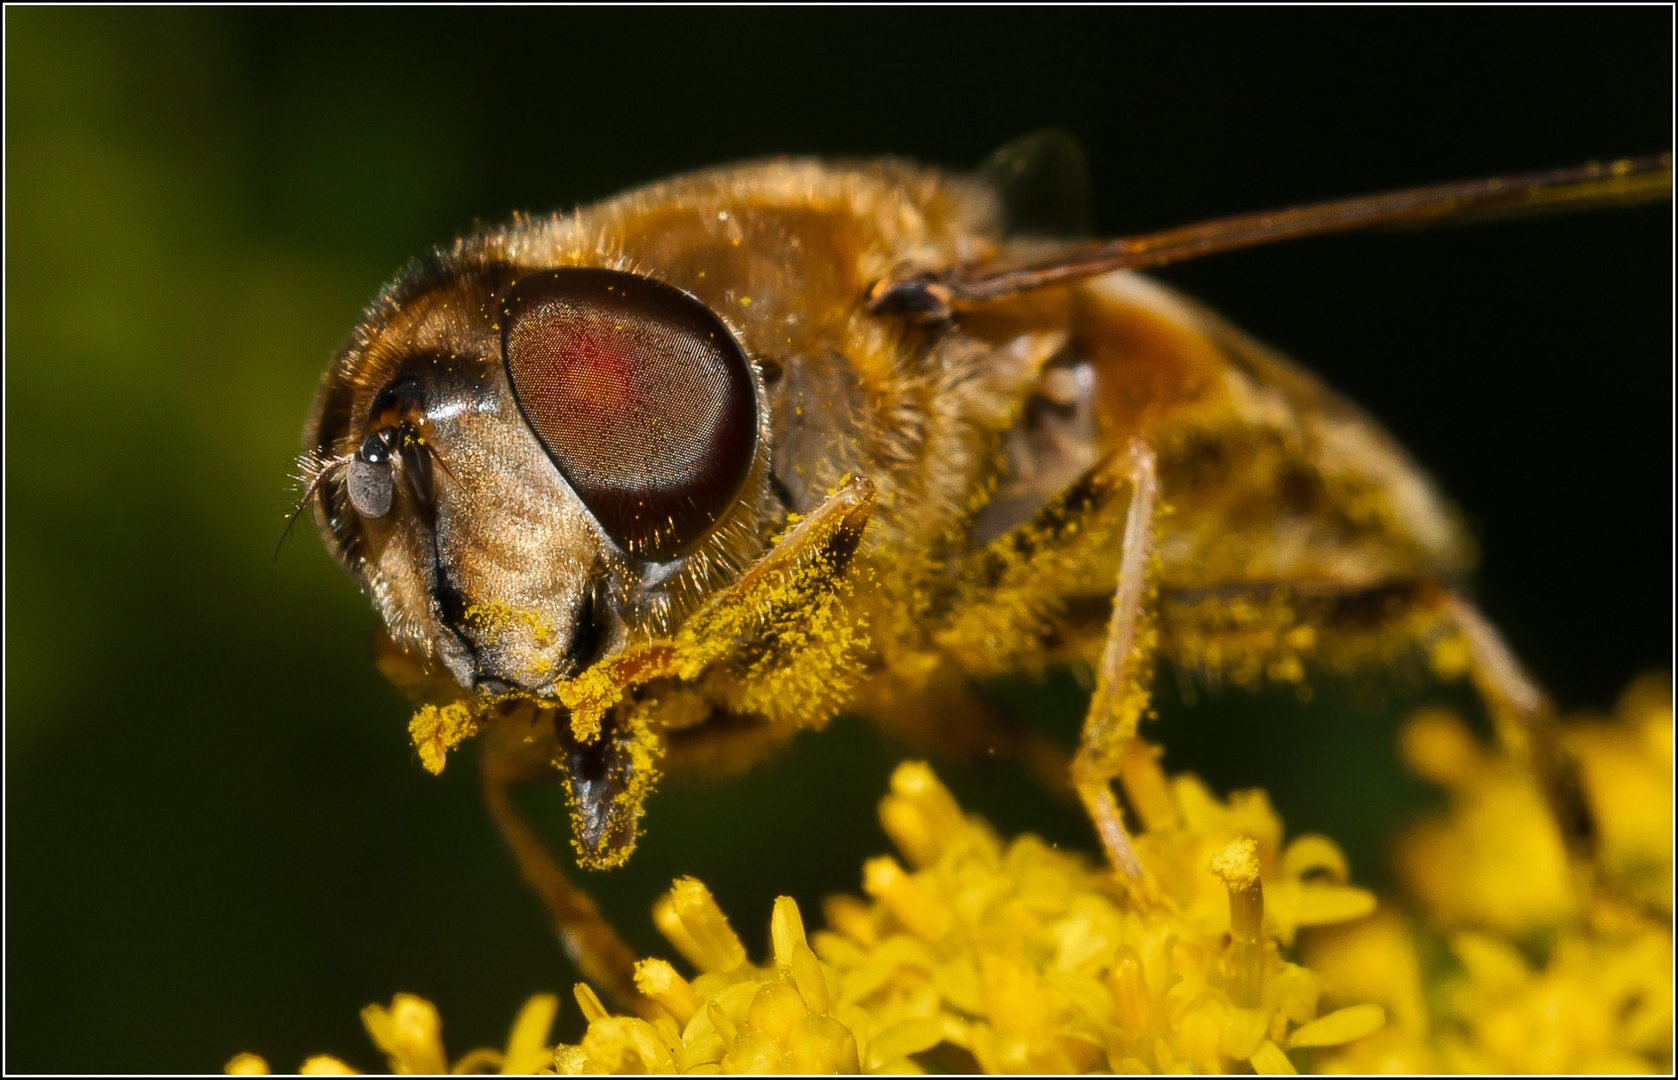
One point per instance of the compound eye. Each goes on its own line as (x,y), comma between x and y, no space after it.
(641,397)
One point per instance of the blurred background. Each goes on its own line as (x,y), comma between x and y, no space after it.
(216,835)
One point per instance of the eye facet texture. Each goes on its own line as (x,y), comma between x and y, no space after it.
(641,397)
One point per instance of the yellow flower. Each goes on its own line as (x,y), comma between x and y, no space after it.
(1007,957)
(1602,1003)
(969,952)
(1627,767)
(1599,1002)
(733,1017)
(1494,861)
(1536,977)
(410,1033)
(1185,825)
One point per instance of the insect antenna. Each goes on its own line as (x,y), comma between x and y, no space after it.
(936,296)
(311,470)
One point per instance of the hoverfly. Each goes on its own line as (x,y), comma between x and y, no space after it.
(664,481)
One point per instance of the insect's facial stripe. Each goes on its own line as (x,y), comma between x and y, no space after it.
(451,603)
(417,476)
(591,632)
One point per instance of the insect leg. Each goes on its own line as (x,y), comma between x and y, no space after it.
(1125,670)
(1252,632)
(1525,722)
(601,956)
(1010,613)
(787,600)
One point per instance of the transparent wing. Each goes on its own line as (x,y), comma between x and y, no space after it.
(1043,181)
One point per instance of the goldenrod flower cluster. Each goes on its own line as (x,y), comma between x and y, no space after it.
(1541,973)
(1007,956)
(1241,950)
(410,1034)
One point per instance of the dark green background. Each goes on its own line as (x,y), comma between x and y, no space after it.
(216,836)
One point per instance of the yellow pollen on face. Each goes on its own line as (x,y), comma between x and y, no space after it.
(435,730)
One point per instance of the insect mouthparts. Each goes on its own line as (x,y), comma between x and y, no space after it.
(602,783)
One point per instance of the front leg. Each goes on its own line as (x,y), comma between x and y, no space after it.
(776,645)
(747,645)
(787,600)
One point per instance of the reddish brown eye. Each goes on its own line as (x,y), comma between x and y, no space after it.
(641,397)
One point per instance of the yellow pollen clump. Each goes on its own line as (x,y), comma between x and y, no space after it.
(435,730)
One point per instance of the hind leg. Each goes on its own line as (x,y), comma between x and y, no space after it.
(1271,631)
(1525,721)
(1249,632)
